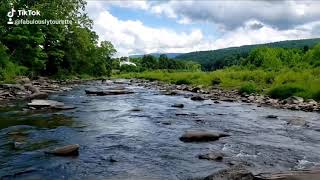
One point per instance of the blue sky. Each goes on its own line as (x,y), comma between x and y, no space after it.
(139,27)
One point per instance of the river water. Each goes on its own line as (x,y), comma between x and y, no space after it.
(145,144)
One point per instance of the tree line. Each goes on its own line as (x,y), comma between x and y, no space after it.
(149,63)
(52,50)
(220,58)
(279,58)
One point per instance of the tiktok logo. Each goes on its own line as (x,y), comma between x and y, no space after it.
(11,14)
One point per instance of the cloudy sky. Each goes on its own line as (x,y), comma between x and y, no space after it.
(140,27)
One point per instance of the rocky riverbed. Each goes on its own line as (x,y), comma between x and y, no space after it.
(135,129)
(26,89)
(215,93)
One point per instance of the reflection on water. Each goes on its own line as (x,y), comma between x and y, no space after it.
(145,144)
(39,121)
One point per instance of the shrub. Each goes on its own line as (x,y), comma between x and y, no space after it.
(316,95)
(248,88)
(215,81)
(182,81)
(285,91)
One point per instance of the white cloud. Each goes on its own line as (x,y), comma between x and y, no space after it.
(247,35)
(232,14)
(134,37)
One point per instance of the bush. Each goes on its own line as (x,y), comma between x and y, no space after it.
(215,81)
(11,70)
(316,95)
(182,81)
(248,88)
(285,91)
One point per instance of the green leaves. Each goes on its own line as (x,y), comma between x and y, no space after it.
(57,48)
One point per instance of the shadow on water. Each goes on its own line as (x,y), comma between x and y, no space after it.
(38,121)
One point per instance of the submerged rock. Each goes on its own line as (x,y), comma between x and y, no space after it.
(197,98)
(178,105)
(312,174)
(211,156)
(111,159)
(201,136)
(18,145)
(272,116)
(68,150)
(297,122)
(234,173)
(107,92)
(135,109)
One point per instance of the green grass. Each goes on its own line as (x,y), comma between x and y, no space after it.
(279,84)
(11,71)
(248,88)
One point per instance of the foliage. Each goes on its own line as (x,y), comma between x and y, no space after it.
(215,81)
(182,81)
(248,88)
(57,49)
(285,91)
(149,63)
(277,72)
(217,59)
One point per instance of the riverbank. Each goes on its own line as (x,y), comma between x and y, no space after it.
(40,88)
(26,89)
(218,94)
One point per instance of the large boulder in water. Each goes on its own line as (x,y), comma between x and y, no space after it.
(72,149)
(201,136)
(234,173)
(105,92)
(312,174)
(40,103)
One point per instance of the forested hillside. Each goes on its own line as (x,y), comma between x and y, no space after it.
(51,50)
(217,59)
(169,55)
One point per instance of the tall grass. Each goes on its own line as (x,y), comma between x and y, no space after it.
(278,84)
(10,71)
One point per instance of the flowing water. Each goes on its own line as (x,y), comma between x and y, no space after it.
(145,144)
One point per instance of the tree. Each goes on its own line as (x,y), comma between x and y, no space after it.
(149,62)
(57,49)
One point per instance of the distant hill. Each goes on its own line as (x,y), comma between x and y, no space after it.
(170,55)
(215,59)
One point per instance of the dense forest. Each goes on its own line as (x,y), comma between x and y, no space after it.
(217,59)
(52,50)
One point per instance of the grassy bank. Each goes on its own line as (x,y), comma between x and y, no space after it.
(278,84)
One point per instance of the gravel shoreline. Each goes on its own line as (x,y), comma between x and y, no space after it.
(26,89)
(217,94)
